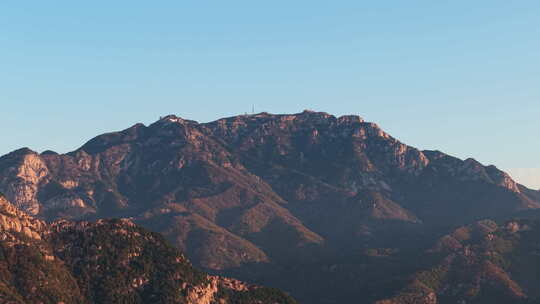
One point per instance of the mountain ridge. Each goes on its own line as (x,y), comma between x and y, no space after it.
(266,191)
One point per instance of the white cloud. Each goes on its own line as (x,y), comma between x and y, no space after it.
(529,177)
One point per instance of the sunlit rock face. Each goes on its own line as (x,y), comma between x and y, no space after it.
(22,176)
(264,190)
(13,221)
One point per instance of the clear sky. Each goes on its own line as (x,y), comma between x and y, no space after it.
(462,77)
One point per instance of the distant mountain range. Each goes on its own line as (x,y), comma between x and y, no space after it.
(330,209)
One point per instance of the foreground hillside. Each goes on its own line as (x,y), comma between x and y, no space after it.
(479,263)
(332,209)
(111,261)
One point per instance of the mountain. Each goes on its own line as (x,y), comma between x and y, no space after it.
(328,208)
(479,263)
(110,261)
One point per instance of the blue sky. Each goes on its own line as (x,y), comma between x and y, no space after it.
(459,76)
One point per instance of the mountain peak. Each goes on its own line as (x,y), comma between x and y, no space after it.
(312,112)
(22,152)
(171,118)
(49,152)
(350,119)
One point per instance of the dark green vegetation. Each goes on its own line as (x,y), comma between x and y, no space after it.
(115,262)
(330,209)
(110,261)
(26,276)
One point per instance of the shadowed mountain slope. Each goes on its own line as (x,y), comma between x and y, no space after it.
(479,263)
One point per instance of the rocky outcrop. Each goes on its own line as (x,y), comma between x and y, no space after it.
(15,221)
(21,179)
(205,293)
